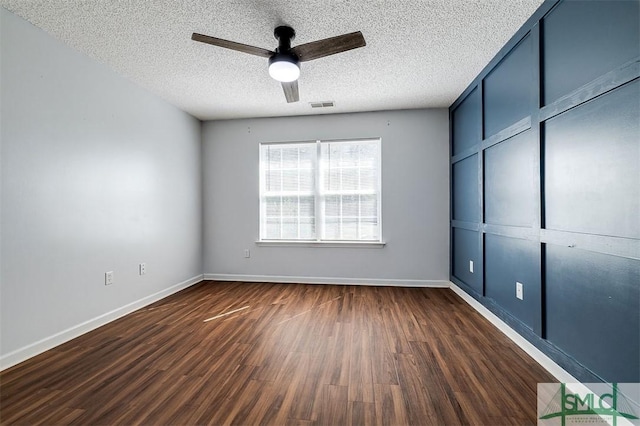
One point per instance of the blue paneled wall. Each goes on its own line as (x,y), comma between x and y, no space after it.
(545,172)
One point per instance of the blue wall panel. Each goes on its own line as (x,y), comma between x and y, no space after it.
(508,260)
(592,166)
(466,206)
(593,310)
(507,89)
(466,123)
(465,248)
(509,188)
(585,39)
(560,200)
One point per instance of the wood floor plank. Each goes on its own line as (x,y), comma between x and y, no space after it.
(223,353)
(332,406)
(390,407)
(361,413)
(361,374)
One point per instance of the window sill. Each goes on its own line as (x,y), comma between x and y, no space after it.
(323,244)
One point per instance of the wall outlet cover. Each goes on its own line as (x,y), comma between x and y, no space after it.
(519,290)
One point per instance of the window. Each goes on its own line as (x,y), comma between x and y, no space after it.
(320,191)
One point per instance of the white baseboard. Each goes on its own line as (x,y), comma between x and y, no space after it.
(26,352)
(50,342)
(328,280)
(547,363)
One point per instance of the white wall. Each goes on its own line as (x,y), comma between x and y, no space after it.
(97,175)
(415,200)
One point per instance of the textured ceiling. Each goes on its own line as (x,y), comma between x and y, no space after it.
(419,53)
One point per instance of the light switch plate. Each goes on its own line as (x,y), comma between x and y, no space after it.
(108,278)
(519,290)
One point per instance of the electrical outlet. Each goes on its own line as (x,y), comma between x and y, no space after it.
(247,253)
(519,290)
(108,278)
(143,268)
(471,266)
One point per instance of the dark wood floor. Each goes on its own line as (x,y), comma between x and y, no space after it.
(290,354)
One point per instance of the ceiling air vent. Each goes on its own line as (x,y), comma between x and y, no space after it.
(325,104)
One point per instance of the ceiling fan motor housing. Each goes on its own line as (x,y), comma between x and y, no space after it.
(284,65)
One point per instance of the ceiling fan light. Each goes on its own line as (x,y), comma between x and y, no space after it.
(284,67)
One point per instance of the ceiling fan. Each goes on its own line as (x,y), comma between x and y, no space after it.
(284,62)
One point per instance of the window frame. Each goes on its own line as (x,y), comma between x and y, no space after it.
(319,199)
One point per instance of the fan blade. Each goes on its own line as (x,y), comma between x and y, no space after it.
(291,91)
(252,50)
(329,46)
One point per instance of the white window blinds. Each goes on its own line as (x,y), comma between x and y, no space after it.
(288,191)
(320,191)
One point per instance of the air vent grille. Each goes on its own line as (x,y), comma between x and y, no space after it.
(324,104)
